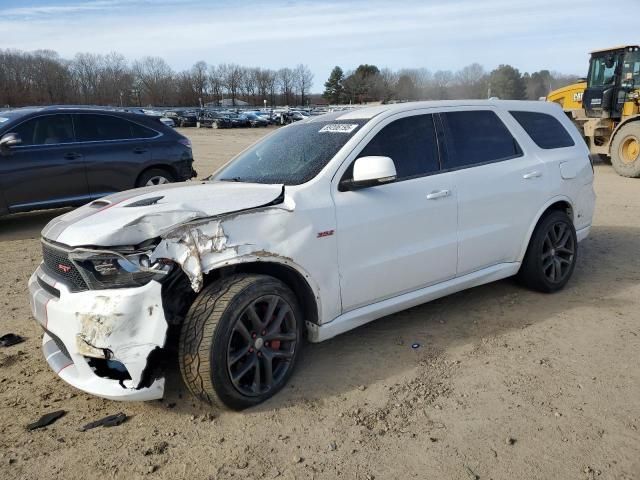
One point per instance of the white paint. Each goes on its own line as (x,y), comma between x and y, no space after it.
(373,168)
(395,245)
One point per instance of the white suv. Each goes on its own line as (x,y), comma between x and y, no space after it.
(322,226)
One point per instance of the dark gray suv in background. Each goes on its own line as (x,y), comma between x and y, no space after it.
(62,156)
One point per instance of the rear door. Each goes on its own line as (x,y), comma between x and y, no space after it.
(115,149)
(401,236)
(46,169)
(500,186)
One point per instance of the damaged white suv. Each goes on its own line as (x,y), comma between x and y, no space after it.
(322,226)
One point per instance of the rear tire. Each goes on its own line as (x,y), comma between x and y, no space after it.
(551,254)
(154,176)
(240,340)
(625,151)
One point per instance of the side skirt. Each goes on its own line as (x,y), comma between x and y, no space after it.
(368,313)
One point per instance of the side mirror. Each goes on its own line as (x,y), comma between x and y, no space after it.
(9,140)
(369,172)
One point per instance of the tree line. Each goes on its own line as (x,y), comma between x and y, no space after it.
(369,83)
(42,77)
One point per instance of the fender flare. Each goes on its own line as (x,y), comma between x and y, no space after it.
(263,257)
(534,224)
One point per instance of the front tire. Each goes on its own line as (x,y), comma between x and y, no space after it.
(240,340)
(625,151)
(551,254)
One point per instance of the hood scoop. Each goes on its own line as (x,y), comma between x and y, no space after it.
(145,202)
(100,204)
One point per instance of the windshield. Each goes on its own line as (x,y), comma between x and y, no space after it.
(292,155)
(7,117)
(603,69)
(631,67)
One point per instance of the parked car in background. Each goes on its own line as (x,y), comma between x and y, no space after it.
(212,119)
(151,113)
(182,118)
(256,120)
(319,228)
(267,115)
(289,116)
(56,157)
(238,119)
(169,122)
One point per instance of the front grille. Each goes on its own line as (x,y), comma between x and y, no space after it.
(58,265)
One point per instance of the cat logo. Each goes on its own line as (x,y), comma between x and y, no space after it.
(577,97)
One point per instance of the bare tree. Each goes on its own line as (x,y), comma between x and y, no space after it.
(471,82)
(272,82)
(249,83)
(303,78)
(286,83)
(51,79)
(200,80)
(216,83)
(264,80)
(115,80)
(85,69)
(155,78)
(232,79)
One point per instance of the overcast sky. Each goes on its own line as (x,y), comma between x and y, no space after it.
(531,35)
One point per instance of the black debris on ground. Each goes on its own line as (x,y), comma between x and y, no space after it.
(10,339)
(108,421)
(46,420)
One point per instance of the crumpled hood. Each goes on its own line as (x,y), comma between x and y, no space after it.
(133,216)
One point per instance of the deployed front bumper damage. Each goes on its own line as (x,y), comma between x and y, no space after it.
(104,342)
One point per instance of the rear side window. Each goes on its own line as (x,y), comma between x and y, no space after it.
(545,130)
(476,136)
(96,128)
(138,131)
(45,130)
(410,142)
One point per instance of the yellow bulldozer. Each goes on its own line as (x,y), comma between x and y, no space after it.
(606,107)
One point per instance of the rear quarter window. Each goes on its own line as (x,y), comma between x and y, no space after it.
(544,129)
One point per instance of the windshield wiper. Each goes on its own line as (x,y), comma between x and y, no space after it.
(231,179)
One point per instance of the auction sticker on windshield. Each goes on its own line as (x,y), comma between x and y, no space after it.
(338,128)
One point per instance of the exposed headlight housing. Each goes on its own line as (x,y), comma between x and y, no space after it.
(109,269)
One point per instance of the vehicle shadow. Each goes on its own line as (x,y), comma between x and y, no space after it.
(383,349)
(22,226)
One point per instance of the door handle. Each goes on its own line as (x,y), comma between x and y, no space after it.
(72,156)
(532,174)
(139,150)
(438,194)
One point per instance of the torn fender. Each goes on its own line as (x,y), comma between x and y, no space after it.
(200,245)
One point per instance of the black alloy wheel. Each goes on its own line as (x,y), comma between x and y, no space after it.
(262,345)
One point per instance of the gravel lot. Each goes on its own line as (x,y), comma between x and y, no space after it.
(506,383)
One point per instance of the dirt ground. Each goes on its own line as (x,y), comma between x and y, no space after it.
(505,383)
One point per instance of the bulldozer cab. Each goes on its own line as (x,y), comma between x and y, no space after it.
(613,74)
